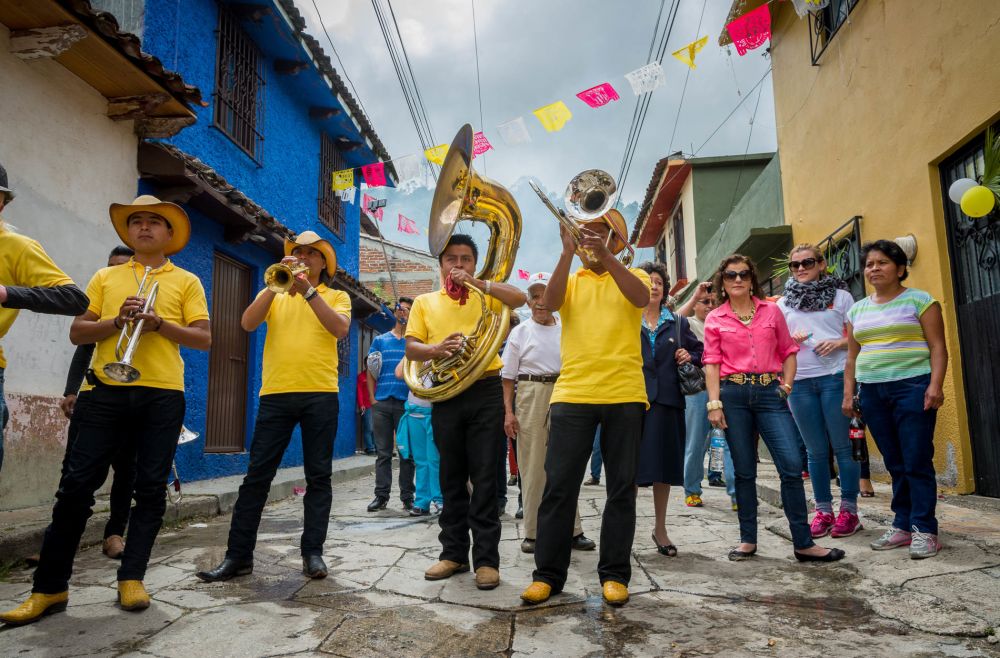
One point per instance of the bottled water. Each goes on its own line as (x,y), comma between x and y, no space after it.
(716,450)
(829,362)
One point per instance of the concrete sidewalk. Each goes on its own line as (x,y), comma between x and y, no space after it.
(21,530)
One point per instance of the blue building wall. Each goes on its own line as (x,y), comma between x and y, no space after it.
(285,182)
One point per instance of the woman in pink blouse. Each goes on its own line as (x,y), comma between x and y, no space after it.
(748,351)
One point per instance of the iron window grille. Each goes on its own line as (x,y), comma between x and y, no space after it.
(842,251)
(824,25)
(331,208)
(343,356)
(239,86)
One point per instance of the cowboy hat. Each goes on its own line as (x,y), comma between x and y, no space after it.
(311,239)
(171,212)
(3,185)
(619,229)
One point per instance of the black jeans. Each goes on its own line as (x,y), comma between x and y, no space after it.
(386,415)
(124,471)
(148,418)
(571,441)
(277,416)
(467,431)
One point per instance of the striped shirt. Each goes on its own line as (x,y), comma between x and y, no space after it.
(893,346)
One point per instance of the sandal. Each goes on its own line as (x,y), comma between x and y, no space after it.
(665,549)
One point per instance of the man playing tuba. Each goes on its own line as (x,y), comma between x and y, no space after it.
(148,410)
(299,387)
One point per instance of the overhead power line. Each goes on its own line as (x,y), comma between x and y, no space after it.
(343,70)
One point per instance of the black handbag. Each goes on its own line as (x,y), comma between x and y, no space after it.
(691,377)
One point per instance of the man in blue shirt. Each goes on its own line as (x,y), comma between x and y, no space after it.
(388,395)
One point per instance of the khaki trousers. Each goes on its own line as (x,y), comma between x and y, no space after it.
(531,406)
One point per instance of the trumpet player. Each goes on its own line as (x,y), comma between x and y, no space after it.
(148,410)
(299,387)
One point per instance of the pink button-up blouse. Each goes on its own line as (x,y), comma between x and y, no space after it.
(761,347)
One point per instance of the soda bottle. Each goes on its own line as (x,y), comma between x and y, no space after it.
(859,445)
(717,446)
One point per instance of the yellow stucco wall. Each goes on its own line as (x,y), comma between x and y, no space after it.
(899,88)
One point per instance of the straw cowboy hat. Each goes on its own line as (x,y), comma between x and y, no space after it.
(619,229)
(311,239)
(171,212)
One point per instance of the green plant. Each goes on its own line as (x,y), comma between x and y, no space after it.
(991,163)
(780,265)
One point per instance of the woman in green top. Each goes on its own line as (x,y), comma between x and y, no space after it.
(897,353)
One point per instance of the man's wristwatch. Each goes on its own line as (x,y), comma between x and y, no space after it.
(712,405)
(312,292)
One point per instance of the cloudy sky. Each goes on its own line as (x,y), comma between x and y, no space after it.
(535,52)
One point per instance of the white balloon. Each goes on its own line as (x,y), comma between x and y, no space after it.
(960,187)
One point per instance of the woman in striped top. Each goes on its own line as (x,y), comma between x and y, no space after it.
(897,353)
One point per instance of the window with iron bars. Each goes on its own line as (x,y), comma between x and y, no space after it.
(331,208)
(239,86)
(344,356)
(824,25)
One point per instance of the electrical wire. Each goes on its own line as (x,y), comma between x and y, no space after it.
(413,78)
(739,177)
(343,70)
(687,76)
(479,88)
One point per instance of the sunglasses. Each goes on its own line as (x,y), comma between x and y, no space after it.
(732,275)
(706,302)
(806,264)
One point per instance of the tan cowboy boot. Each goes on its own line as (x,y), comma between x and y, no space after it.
(487,578)
(445,569)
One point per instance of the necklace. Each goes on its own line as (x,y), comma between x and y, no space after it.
(745,319)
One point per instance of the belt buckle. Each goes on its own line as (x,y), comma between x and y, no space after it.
(738,378)
(765,379)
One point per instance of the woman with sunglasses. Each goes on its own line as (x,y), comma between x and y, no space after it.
(897,353)
(815,306)
(748,350)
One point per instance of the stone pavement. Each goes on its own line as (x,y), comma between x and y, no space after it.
(376,602)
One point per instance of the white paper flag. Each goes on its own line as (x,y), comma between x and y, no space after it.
(514,132)
(646,78)
(408,167)
(803,7)
(348,195)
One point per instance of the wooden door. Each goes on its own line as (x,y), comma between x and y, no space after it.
(227,370)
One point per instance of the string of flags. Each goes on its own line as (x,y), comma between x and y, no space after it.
(747,32)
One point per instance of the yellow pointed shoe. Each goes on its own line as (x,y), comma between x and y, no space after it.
(615,593)
(132,595)
(537,592)
(37,606)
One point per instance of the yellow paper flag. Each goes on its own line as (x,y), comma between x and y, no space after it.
(436,154)
(343,179)
(553,117)
(687,53)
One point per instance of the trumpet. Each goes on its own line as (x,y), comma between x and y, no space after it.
(280,277)
(122,370)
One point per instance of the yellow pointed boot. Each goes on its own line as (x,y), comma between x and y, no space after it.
(615,593)
(37,606)
(537,592)
(132,595)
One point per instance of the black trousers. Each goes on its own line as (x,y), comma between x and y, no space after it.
(386,415)
(277,416)
(467,431)
(123,466)
(571,441)
(150,420)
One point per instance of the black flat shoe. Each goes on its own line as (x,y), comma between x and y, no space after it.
(314,566)
(665,549)
(519,514)
(227,569)
(419,511)
(379,503)
(832,556)
(736,555)
(582,543)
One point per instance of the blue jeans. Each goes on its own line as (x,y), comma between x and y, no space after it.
(904,434)
(815,404)
(697,444)
(4,416)
(752,409)
(595,457)
(367,431)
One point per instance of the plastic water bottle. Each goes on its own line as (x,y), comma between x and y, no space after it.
(716,450)
(829,362)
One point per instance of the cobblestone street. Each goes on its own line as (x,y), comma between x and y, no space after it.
(376,602)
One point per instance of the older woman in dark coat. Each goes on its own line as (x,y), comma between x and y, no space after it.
(667,342)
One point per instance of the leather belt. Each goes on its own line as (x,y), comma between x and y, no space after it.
(542,379)
(752,378)
(490,373)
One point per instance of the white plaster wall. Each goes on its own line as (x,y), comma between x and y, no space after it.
(690,246)
(68,162)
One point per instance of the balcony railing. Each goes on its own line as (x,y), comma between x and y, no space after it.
(824,25)
(842,251)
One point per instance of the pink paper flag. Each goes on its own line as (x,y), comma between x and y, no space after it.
(523,274)
(600,95)
(480,144)
(374,215)
(751,30)
(407,225)
(374,174)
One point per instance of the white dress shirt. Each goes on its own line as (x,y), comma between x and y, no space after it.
(532,349)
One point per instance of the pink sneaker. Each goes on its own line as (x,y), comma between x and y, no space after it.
(846,525)
(821,524)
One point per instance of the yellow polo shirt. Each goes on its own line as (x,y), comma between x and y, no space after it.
(300,356)
(180,299)
(24,263)
(435,316)
(601,348)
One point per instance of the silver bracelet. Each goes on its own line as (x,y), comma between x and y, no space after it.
(488,287)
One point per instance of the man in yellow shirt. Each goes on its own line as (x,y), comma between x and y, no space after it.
(299,387)
(600,383)
(468,428)
(148,410)
(28,280)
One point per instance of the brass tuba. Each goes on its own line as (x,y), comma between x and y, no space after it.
(460,194)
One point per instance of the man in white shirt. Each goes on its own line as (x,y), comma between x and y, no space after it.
(531,359)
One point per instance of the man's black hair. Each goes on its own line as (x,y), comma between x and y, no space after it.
(461,239)
(404,300)
(121,250)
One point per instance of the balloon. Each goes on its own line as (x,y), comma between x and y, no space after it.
(978,201)
(960,187)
